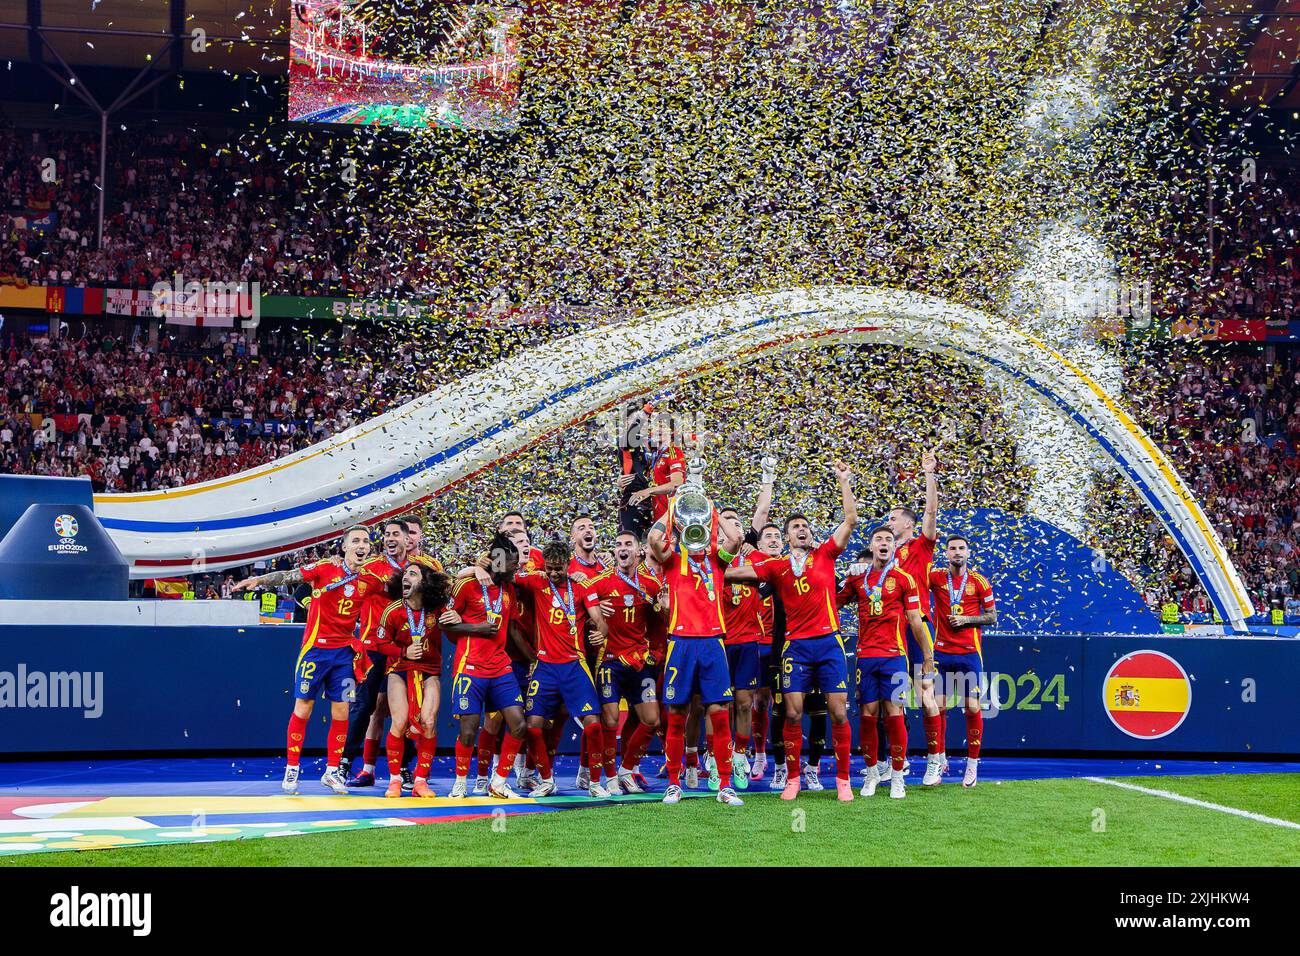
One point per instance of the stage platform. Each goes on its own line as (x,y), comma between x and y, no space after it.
(94,804)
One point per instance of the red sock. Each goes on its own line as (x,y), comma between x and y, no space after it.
(742,744)
(870,741)
(720,740)
(943,730)
(842,738)
(793,737)
(370,752)
(338,736)
(593,739)
(708,740)
(297,733)
(610,735)
(552,737)
(464,754)
(692,756)
(761,724)
(509,750)
(931,722)
(487,746)
(537,751)
(425,748)
(634,748)
(394,746)
(974,733)
(674,743)
(897,740)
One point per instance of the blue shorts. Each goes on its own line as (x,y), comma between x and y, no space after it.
(696,665)
(552,683)
(914,652)
(960,675)
(882,678)
(328,670)
(815,663)
(617,681)
(521,669)
(744,664)
(477,695)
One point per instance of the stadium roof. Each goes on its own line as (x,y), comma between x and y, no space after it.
(1254,45)
(238,34)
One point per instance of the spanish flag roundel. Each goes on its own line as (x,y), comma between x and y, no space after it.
(1147,694)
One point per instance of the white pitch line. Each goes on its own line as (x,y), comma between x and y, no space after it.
(1192,801)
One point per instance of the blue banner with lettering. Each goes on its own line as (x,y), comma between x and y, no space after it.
(97,688)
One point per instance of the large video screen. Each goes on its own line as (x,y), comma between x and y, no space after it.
(405,63)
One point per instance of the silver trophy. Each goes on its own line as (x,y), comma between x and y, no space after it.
(693,510)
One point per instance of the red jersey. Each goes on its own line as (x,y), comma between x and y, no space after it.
(882,609)
(664,466)
(483,655)
(656,632)
(377,571)
(558,615)
(533,561)
(694,585)
(808,597)
(975,597)
(742,606)
(393,637)
(582,570)
(337,597)
(915,557)
(633,596)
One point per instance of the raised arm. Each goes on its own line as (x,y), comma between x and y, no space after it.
(763,504)
(656,542)
(844,475)
(729,539)
(272,580)
(930,520)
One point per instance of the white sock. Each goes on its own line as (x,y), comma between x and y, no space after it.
(972,761)
(368,768)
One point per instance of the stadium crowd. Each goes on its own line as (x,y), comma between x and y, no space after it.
(1231,422)
(175,204)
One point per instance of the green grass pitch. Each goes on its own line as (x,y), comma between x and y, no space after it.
(1019,823)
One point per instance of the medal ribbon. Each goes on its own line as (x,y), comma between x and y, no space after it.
(955,597)
(493,610)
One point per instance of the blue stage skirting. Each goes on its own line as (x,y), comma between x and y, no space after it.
(88,689)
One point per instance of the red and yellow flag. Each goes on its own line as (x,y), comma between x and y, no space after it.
(1147,694)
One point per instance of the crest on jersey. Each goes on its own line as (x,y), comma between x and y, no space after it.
(970,590)
(890,585)
(902,552)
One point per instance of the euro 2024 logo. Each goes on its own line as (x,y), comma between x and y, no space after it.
(65,526)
